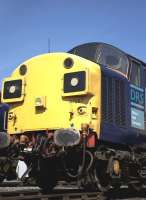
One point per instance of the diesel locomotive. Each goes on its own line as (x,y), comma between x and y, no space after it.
(79,116)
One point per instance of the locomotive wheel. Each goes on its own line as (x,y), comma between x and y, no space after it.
(46,176)
(102,177)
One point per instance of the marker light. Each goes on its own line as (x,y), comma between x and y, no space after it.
(68,63)
(23,70)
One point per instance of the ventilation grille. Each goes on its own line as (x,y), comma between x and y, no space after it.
(113,101)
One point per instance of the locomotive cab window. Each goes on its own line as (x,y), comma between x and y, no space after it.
(112,57)
(135,77)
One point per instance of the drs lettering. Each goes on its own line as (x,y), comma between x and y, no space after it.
(137,96)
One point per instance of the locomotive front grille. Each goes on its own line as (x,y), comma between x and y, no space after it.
(113,101)
(120,103)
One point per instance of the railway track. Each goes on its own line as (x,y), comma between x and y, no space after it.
(56,195)
(65,192)
(34,193)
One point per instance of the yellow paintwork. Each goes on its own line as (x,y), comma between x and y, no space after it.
(44,104)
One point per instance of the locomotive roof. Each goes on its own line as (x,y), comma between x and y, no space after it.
(105,54)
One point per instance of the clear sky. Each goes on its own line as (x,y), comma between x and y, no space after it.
(26,26)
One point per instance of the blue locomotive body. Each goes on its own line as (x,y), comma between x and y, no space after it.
(122,93)
(123,113)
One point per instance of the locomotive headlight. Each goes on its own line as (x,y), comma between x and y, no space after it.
(13,90)
(74,82)
(66,137)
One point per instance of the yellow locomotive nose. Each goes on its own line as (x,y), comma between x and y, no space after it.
(55,91)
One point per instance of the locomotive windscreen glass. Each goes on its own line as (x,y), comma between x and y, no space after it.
(75,81)
(135,76)
(12,89)
(112,57)
(103,54)
(86,51)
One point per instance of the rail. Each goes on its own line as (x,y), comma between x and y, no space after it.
(37,195)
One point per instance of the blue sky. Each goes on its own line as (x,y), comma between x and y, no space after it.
(26,25)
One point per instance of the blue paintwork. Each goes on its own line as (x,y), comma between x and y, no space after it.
(127,134)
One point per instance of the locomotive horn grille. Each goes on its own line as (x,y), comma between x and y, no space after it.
(66,137)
